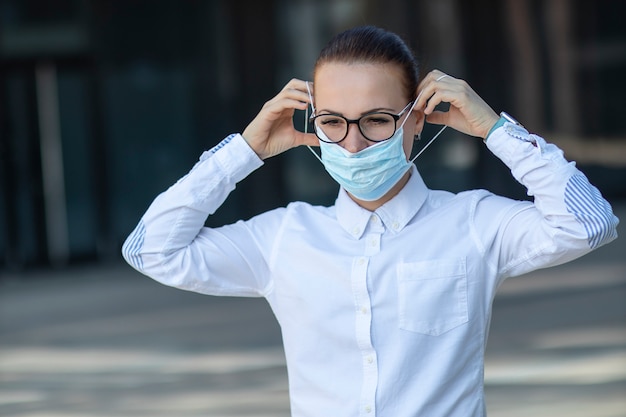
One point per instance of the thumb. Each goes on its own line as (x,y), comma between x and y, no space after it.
(307,139)
(437,118)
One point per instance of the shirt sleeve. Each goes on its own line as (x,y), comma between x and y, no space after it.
(568,218)
(171,245)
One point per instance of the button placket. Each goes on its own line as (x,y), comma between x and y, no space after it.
(361,296)
(363,317)
(372,244)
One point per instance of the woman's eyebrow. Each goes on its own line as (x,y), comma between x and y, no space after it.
(375,110)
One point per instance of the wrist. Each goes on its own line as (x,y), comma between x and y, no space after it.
(493,120)
(504,118)
(251,143)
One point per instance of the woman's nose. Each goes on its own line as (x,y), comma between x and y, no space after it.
(354,141)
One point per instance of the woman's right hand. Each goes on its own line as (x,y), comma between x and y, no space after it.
(272,132)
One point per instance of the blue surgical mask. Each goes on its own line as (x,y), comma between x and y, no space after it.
(372,172)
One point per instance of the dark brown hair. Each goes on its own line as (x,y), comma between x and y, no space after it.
(370,44)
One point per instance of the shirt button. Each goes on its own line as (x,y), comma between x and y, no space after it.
(361,261)
(356,231)
(374,219)
(364,310)
(395,225)
(368,409)
(370,359)
(372,242)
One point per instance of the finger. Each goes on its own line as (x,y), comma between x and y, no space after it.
(294,94)
(423,96)
(430,77)
(438,118)
(440,96)
(297,85)
(300,90)
(448,90)
(307,139)
(283,106)
(434,82)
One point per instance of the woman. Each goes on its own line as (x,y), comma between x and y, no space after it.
(384,299)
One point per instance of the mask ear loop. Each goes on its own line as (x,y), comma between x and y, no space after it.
(430,141)
(306,125)
(308,90)
(306,120)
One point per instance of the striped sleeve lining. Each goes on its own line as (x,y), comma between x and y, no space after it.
(590,209)
(222,143)
(133,245)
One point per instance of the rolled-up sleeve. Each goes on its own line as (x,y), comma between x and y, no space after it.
(171,245)
(567,219)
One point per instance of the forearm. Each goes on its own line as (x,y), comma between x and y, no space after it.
(569,217)
(176,216)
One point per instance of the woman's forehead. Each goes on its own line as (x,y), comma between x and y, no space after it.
(376,85)
(354,73)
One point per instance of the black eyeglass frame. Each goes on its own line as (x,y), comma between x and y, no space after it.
(395,118)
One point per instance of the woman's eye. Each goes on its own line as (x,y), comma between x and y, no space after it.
(332,122)
(377,120)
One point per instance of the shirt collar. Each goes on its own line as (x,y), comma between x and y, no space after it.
(395,214)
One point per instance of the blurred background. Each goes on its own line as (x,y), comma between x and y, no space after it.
(105,103)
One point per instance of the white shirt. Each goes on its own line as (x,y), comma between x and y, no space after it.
(383,313)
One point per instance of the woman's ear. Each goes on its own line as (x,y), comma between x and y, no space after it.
(420,119)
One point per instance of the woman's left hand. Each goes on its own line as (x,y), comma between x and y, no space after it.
(468,113)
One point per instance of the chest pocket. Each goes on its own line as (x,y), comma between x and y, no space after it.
(432,296)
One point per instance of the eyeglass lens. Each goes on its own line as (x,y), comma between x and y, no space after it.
(373,126)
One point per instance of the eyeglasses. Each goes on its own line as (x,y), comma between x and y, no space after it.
(375,126)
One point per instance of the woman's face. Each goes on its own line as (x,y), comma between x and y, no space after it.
(352,90)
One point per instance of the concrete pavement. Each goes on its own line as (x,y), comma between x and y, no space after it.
(101,341)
